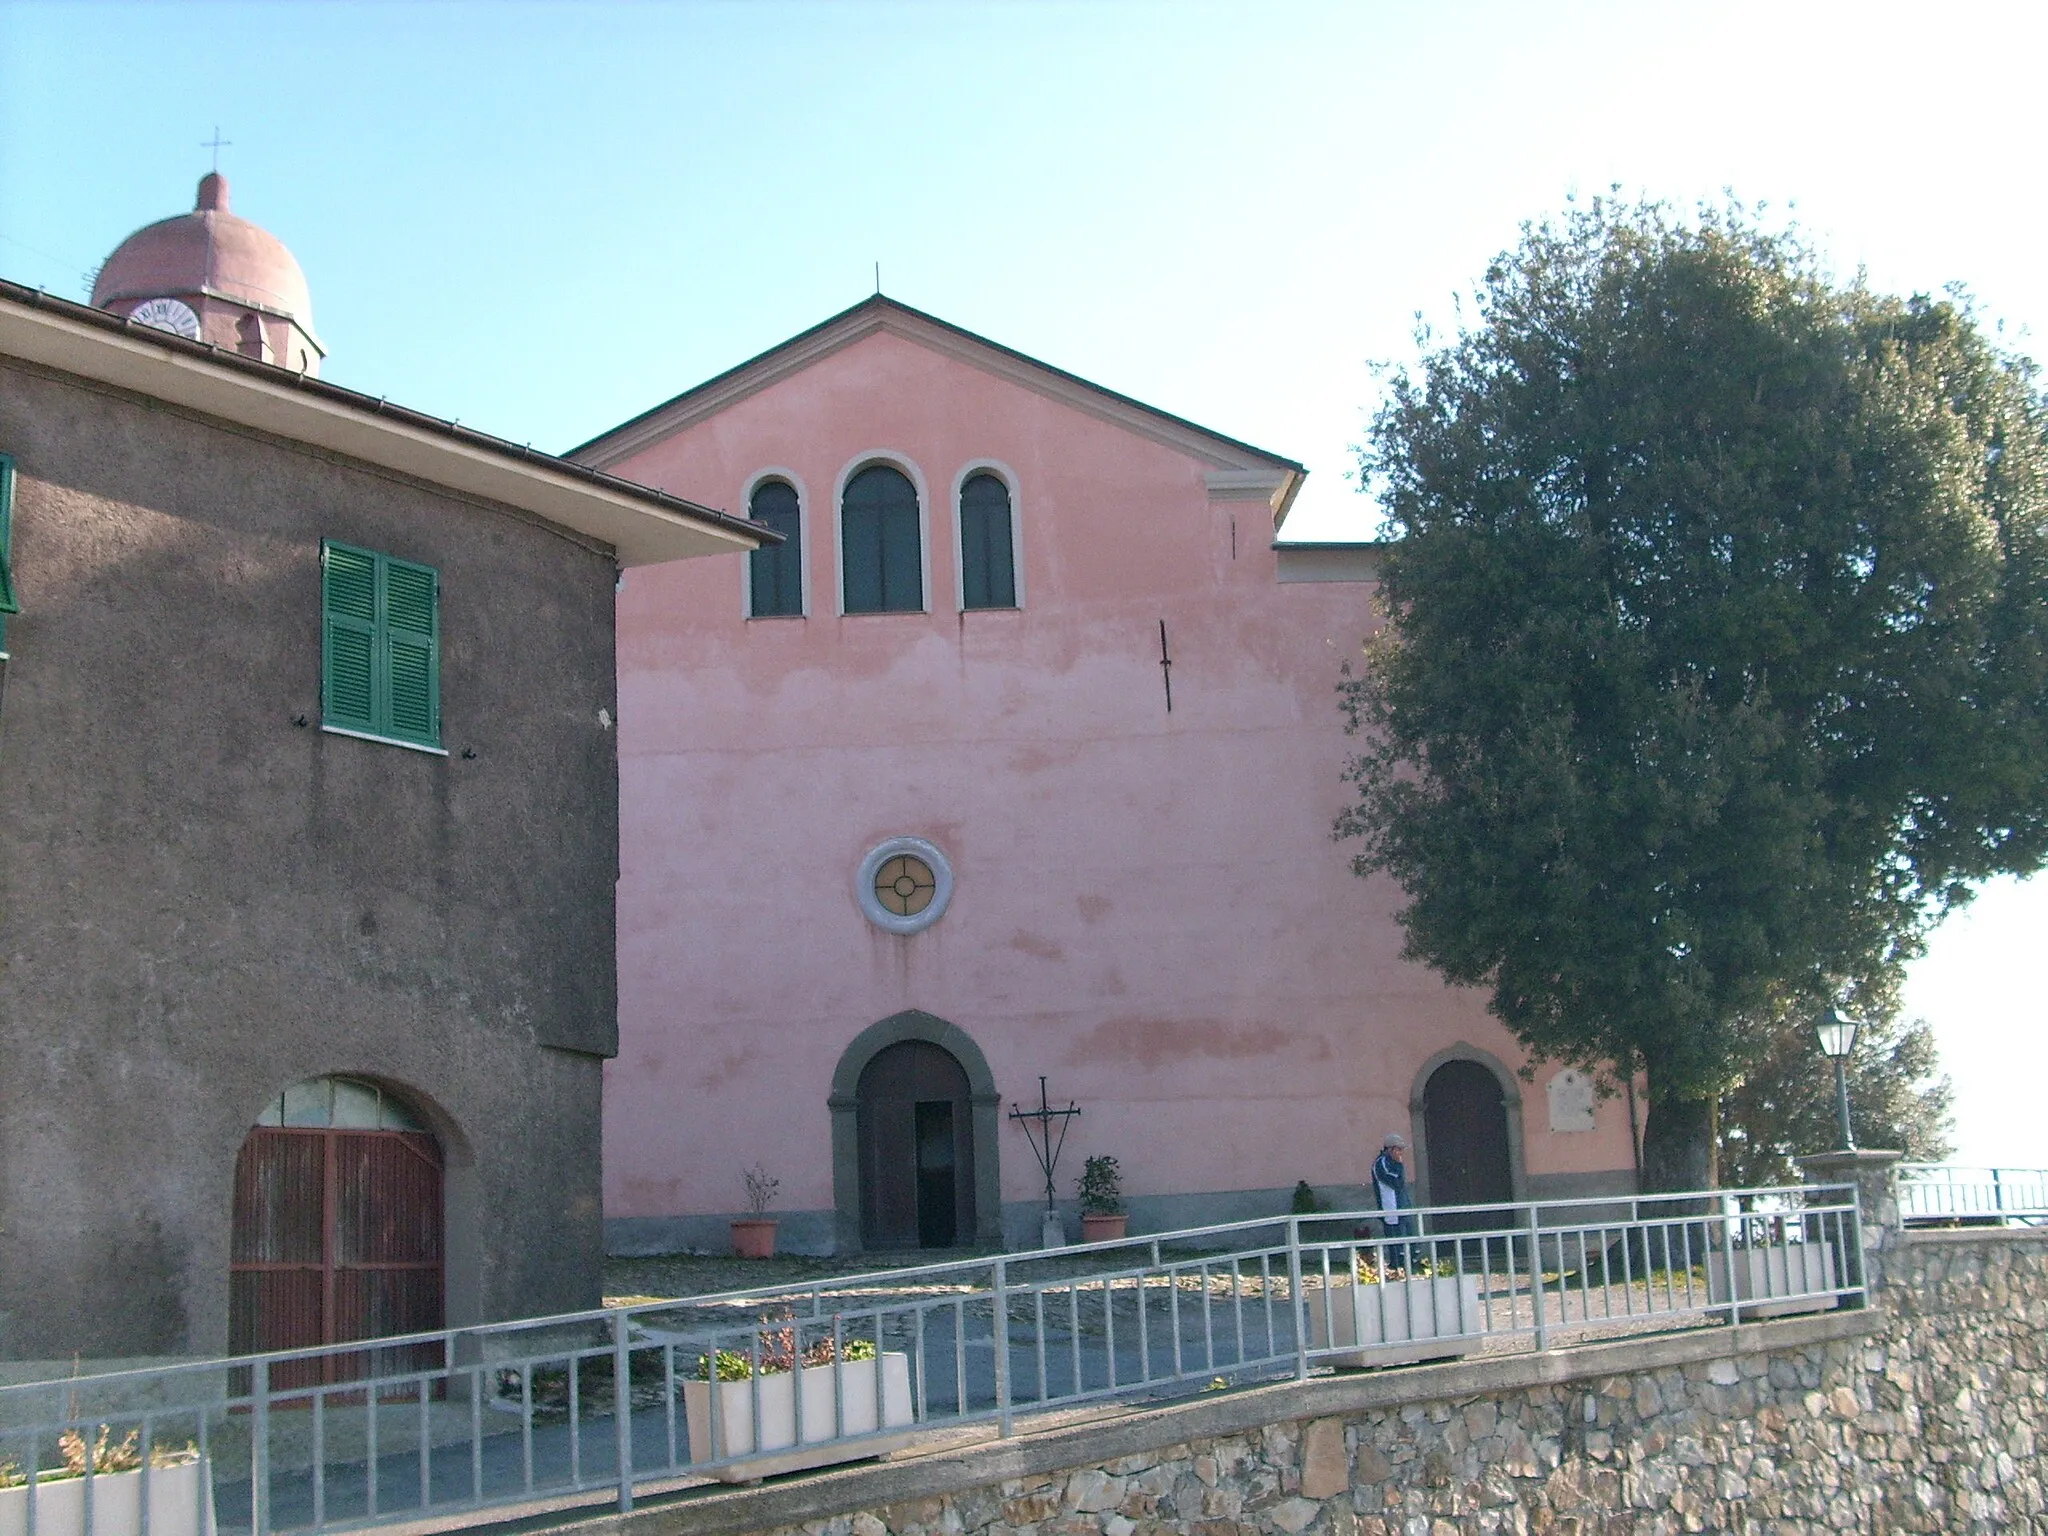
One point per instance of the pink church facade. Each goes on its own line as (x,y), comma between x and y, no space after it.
(1138,900)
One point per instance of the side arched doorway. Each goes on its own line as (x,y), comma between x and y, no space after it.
(338,1223)
(1467,1141)
(914,1154)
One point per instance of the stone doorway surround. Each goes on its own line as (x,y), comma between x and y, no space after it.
(1511,1103)
(983,1101)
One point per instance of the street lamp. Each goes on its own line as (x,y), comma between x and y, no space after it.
(1837,1034)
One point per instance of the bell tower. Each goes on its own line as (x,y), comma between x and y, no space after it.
(215,277)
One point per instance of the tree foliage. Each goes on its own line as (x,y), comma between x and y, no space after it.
(1715,657)
(1784,1107)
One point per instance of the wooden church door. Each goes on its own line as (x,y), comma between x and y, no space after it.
(337,1230)
(916,1141)
(1465,1121)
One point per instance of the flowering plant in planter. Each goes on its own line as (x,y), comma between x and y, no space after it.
(779,1353)
(805,1399)
(179,1490)
(106,1455)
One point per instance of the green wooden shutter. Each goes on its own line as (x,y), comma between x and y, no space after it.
(880,543)
(411,648)
(381,649)
(349,615)
(988,578)
(775,575)
(7,599)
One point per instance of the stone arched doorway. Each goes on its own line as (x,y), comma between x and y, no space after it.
(1468,1135)
(914,1153)
(338,1228)
(916,1133)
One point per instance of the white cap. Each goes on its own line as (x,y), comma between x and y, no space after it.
(1395,1139)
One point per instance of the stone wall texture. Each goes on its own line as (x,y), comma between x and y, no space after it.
(1925,1420)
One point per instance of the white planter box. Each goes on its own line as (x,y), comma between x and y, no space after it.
(1403,1320)
(180,1504)
(797,1413)
(1776,1269)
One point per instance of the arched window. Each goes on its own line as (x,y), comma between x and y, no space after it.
(988,575)
(776,575)
(346,1102)
(880,549)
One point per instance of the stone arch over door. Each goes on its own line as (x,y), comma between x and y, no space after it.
(1424,1162)
(339,1227)
(983,1103)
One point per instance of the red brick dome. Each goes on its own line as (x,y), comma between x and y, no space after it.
(207,251)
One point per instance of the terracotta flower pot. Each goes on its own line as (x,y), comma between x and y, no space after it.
(1096,1228)
(754,1238)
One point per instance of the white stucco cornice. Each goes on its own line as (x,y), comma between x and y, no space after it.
(642,526)
(1336,562)
(1268,476)
(1271,486)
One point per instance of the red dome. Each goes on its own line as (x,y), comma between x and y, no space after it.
(208,250)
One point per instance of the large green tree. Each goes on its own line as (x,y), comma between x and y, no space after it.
(1715,658)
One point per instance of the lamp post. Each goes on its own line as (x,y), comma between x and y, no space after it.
(1837,1039)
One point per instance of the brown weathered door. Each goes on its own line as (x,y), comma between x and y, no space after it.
(337,1237)
(916,1139)
(1465,1121)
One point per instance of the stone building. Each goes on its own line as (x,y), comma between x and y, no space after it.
(308,828)
(1018,757)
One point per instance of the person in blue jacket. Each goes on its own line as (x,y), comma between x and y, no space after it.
(1390,1182)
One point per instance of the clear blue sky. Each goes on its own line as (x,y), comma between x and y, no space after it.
(541,219)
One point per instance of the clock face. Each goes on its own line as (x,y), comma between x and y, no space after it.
(167,315)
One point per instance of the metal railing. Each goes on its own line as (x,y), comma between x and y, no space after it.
(629,1400)
(1957,1195)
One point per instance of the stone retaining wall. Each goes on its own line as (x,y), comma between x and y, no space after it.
(1920,1414)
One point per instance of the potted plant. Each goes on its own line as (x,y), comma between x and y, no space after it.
(1102,1201)
(753,1235)
(1384,1317)
(803,1407)
(180,1490)
(1768,1256)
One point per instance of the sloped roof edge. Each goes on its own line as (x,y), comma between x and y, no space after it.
(881,313)
(643,526)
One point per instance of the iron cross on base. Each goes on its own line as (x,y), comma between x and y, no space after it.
(1043,1146)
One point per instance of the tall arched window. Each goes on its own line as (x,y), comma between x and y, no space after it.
(880,549)
(776,575)
(988,575)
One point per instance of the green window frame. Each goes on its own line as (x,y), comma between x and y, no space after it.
(380,670)
(8,602)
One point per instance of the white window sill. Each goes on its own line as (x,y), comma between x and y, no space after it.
(389,741)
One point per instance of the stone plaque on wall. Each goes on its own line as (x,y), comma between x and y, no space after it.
(1571,1101)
